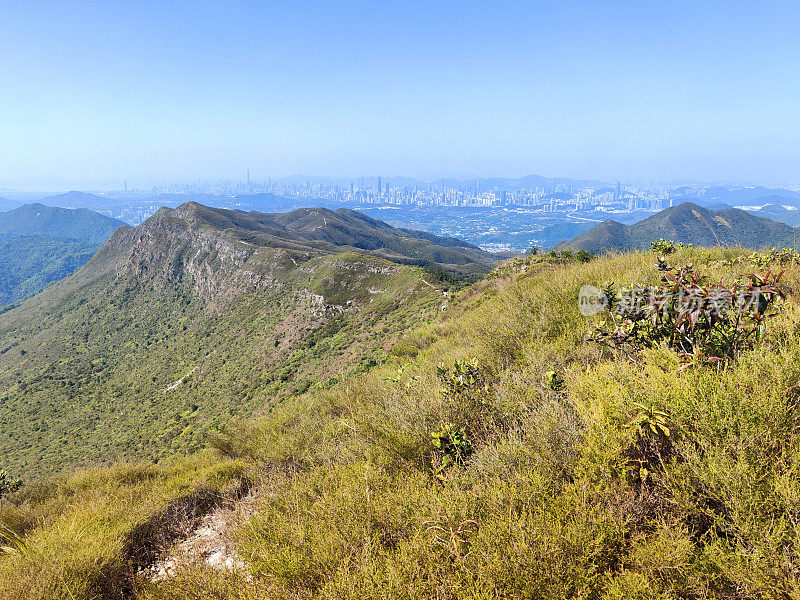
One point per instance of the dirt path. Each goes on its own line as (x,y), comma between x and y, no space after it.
(175,384)
(210,542)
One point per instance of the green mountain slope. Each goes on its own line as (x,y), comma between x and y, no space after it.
(77,224)
(496,454)
(690,224)
(40,244)
(200,315)
(29,262)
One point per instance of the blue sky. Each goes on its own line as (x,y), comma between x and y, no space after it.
(644,89)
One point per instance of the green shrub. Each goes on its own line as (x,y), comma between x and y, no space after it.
(662,247)
(452,447)
(8,485)
(701,320)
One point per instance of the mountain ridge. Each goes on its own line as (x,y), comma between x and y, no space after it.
(687,223)
(242,310)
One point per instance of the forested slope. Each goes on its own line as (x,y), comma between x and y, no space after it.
(200,315)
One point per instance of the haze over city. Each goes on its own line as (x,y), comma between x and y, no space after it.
(96,94)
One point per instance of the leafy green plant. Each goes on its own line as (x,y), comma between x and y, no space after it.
(553,381)
(701,320)
(452,445)
(650,419)
(653,445)
(464,375)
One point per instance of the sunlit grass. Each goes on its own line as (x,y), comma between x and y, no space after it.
(77,524)
(567,491)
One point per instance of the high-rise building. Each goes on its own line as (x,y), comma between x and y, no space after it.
(379,187)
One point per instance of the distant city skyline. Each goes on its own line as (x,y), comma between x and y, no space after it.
(496,214)
(147,91)
(35,185)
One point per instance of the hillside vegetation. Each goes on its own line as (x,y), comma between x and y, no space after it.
(687,223)
(496,453)
(200,315)
(63,223)
(29,263)
(40,244)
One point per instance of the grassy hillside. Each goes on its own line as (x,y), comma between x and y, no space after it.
(201,315)
(496,454)
(689,224)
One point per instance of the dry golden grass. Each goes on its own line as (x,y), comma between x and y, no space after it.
(559,498)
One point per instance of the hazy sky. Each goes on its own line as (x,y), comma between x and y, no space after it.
(654,89)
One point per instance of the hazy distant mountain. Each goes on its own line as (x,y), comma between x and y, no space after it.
(6,204)
(777,211)
(40,244)
(76,199)
(77,224)
(749,194)
(687,223)
(718,196)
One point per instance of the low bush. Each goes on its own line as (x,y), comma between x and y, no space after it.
(701,320)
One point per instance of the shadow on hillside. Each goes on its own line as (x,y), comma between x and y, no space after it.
(148,540)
